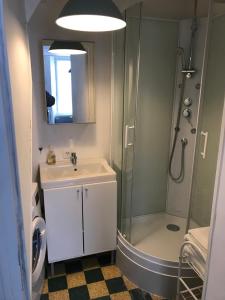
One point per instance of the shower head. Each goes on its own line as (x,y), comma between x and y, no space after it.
(180,52)
(194,25)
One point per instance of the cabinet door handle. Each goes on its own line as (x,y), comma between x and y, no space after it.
(86,191)
(78,193)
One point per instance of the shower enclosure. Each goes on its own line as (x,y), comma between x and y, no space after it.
(168,104)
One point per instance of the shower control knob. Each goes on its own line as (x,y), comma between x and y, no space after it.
(188,75)
(187,113)
(188,102)
(184,141)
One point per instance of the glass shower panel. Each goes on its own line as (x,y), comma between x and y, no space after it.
(210,127)
(133,16)
(153,125)
(154,114)
(117,129)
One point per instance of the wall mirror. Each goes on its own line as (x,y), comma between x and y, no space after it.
(69,83)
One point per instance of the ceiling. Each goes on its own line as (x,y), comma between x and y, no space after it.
(172,9)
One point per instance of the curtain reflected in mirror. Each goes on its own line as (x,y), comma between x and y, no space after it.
(69,84)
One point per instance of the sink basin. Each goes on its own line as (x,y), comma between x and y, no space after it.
(65,174)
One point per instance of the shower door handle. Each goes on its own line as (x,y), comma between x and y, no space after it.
(205,135)
(127,143)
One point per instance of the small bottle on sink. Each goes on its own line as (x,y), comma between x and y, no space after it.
(51,157)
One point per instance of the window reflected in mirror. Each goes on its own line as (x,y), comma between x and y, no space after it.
(69,84)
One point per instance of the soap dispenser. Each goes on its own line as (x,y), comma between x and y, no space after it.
(51,157)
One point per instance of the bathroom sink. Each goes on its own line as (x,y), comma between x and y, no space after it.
(65,174)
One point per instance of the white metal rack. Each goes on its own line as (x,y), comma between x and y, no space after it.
(189,293)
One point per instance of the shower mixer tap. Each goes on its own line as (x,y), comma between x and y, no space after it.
(187,113)
(189,73)
(188,101)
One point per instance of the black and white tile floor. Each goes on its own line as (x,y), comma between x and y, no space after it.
(91,277)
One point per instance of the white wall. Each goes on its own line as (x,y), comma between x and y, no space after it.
(21,89)
(91,140)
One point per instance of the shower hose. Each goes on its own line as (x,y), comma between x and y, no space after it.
(180,176)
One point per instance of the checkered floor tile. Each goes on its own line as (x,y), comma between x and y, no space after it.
(91,277)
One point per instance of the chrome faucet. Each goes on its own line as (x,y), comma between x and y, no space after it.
(73,158)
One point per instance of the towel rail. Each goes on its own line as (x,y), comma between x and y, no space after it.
(189,292)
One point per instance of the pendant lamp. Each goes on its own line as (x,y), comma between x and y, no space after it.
(91,16)
(67,48)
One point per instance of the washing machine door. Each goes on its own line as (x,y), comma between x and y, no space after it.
(39,241)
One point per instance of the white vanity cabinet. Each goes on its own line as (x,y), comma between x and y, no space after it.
(64,223)
(100,217)
(81,220)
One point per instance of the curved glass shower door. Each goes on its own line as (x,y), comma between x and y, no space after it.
(164,53)
(209,126)
(132,50)
(154,117)
(171,78)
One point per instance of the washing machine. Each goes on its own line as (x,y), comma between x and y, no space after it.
(38,245)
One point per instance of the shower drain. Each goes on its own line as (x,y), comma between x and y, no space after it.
(173,227)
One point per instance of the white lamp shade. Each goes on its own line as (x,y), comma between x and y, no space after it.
(91,16)
(67,48)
